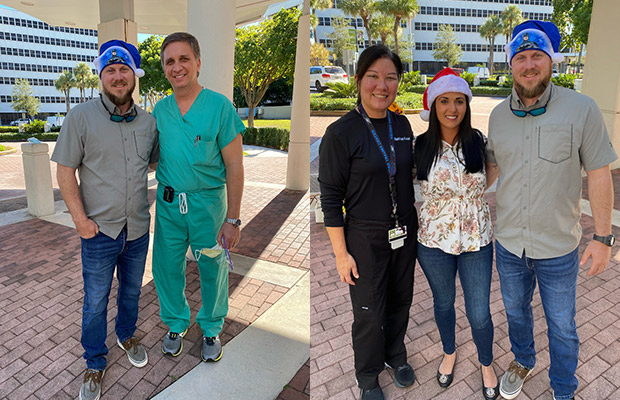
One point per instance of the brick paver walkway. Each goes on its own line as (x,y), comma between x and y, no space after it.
(598,321)
(41,293)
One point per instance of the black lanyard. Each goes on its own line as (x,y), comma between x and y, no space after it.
(390,160)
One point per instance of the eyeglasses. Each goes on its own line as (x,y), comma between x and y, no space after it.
(119,118)
(534,113)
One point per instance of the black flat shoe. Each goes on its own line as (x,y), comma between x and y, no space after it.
(489,393)
(445,380)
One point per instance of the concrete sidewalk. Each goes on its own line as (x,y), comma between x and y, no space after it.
(41,298)
(598,319)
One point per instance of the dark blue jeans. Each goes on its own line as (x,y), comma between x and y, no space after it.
(474,270)
(557,281)
(101,255)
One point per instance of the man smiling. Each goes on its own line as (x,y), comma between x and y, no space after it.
(111,143)
(540,138)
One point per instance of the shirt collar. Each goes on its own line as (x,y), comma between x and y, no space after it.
(544,97)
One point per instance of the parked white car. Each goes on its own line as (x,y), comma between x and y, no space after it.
(55,121)
(17,122)
(482,72)
(321,75)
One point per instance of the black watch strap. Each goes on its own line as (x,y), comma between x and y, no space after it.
(608,240)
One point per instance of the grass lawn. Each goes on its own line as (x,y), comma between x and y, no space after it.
(278,123)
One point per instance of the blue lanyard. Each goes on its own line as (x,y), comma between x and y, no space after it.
(390,161)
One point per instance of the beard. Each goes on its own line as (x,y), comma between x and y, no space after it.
(120,100)
(532,93)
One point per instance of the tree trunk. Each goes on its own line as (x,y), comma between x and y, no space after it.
(367,27)
(396,24)
(579,59)
(491,57)
(250,116)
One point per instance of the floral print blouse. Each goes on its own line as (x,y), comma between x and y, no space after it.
(454,216)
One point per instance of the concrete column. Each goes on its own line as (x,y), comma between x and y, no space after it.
(601,77)
(38,177)
(213,24)
(298,168)
(117,22)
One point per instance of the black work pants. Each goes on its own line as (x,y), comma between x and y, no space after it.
(381,297)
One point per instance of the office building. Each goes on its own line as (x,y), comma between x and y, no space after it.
(31,49)
(465,17)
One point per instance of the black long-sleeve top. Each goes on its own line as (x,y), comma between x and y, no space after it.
(353,172)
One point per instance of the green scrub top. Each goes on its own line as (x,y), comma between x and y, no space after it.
(190,146)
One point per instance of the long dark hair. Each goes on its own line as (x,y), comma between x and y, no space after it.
(428,145)
(368,57)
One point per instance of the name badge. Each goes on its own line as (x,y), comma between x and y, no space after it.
(397,237)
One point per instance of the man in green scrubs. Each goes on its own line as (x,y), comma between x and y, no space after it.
(200,183)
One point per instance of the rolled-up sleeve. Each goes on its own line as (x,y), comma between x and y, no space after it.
(334,168)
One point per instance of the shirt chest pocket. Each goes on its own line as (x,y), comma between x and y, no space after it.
(144,144)
(555,142)
(205,153)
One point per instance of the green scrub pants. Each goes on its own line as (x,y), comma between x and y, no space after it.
(174,232)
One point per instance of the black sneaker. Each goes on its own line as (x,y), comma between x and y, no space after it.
(403,375)
(372,394)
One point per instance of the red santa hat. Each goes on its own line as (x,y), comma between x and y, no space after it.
(445,81)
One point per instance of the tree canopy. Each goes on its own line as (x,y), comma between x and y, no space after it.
(263,53)
(489,30)
(400,9)
(153,85)
(363,8)
(65,83)
(446,47)
(341,38)
(23,98)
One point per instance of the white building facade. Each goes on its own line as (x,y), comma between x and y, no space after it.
(465,17)
(31,49)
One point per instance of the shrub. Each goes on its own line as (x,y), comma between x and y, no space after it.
(566,80)
(489,82)
(319,102)
(273,138)
(409,100)
(2,148)
(9,129)
(469,78)
(36,126)
(491,91)
(508,82)
(341,90)
(22,137)
(409,80)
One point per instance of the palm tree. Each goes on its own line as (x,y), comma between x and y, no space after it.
(381,25)
(81,72)
(511,17)
(92,83)
(489,30)
(400,9)
(318,5)
(64,83)
(364,9)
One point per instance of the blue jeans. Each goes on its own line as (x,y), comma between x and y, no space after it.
(101,255)
(557,281)
(474,270)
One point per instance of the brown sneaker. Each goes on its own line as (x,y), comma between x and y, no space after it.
(91,386)
(135,352)
(512,381)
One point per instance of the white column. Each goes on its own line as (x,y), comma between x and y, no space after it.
(38,177)
(601,77)
(117,22)
(298,168)
(213,24)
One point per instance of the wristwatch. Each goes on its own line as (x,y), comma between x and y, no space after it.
(236,222)
(608,240)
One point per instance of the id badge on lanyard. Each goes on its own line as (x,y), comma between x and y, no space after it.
(397,235)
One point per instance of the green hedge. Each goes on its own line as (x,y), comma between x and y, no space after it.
(274,138)
(22,137)
(319,102)
(9,129)
(491,91)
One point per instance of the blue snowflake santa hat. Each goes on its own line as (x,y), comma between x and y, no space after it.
(118,52)
(535,35)
(447,80)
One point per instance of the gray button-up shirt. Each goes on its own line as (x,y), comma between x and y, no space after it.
(540,161)
(112,160)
